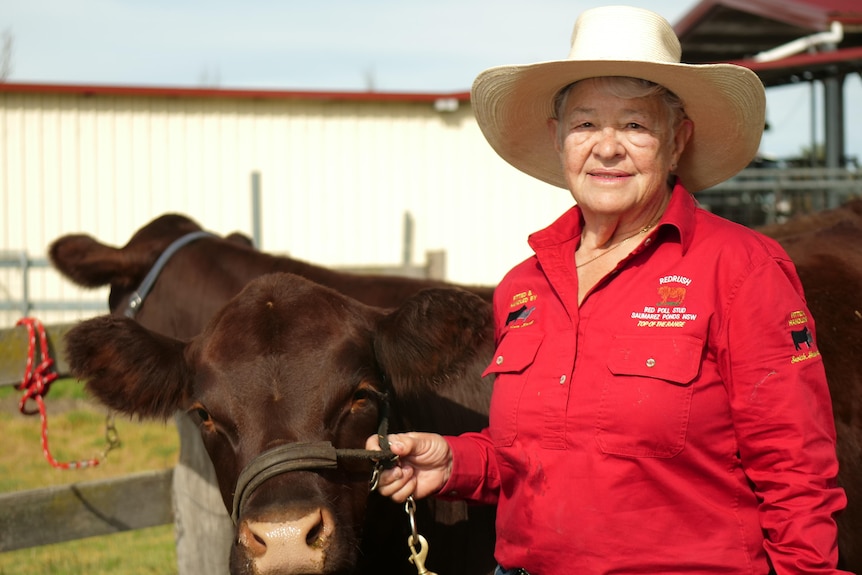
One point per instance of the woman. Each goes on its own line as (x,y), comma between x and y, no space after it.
(651,412)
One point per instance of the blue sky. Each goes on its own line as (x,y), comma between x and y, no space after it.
(390,45)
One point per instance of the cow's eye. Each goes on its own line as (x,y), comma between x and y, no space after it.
(362,397)
(200,413)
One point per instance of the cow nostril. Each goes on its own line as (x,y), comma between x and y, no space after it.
(319,532)
(251,540)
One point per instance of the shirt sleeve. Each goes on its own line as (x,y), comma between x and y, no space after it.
(474,476)
(782,416)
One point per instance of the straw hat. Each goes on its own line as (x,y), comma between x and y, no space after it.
(725,102)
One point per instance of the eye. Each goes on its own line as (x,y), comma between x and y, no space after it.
(363,397)
(634,126)
(201,416)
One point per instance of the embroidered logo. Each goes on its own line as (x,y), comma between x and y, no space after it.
(521,310)
(801,337)
(668,310)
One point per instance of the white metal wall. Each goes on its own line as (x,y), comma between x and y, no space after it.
(337,177)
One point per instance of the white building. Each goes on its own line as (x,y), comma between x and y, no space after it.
(338,173)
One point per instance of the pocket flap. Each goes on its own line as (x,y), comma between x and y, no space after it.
(515,353)
(675,358)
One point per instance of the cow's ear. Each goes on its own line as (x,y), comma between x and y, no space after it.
(90,263)
(128,367)
(436,336)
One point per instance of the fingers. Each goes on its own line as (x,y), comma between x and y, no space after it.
(399,443)
(373,443)
(423,467)
(398,483)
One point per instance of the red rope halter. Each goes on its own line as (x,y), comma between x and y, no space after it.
(35,385)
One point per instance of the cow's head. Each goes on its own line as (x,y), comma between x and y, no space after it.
(289,362)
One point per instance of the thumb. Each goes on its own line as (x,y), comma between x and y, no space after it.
(399,444)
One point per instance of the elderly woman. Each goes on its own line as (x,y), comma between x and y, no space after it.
(651,411)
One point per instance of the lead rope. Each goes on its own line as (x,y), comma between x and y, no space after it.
(35,385)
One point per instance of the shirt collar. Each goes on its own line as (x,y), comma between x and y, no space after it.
(679,214)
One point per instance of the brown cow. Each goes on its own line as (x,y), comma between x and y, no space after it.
(205,274)
(289,365)
(194,283)
(828,258)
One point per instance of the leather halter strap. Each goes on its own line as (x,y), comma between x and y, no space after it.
(309,456)
(137,298)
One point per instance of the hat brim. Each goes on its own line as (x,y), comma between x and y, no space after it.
(726,103)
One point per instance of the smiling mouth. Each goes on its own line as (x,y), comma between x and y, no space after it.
(608,176)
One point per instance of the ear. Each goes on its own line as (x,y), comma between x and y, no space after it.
(240,239)
(680,140)
(89,263)
(437,336)
(129,368)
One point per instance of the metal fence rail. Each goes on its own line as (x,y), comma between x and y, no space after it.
(25,304)
(759,196)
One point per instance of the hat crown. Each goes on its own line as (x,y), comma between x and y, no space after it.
(624,33)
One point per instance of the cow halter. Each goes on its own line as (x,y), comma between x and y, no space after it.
(311,456)
(137,298)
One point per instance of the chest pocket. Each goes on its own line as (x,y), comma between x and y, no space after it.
(646,397)
(509,366)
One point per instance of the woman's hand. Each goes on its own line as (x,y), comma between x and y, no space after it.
(424,465)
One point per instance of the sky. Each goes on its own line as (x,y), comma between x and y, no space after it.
(430,46)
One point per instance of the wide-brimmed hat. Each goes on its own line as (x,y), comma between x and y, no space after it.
(725,102)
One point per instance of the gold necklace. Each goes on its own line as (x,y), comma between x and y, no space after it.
(643,230)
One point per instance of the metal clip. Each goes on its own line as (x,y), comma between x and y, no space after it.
(112,436)
(416,557)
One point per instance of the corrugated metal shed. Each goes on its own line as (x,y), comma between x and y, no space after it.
(338,173)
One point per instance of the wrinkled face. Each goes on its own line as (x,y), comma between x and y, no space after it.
(617,153)
(269,375)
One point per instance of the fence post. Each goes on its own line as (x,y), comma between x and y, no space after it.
(204,530)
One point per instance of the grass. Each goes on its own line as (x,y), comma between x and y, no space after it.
(76,430)
(143,552)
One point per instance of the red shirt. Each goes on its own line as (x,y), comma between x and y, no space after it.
(678,421)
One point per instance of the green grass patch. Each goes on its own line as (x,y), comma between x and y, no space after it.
(76,431)
(63,388)
(142,552)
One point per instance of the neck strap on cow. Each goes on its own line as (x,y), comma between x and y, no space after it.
(137,298)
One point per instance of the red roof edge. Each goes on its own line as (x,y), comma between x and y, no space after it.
(251,94)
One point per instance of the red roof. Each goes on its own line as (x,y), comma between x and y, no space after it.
(737,30)
(176,92)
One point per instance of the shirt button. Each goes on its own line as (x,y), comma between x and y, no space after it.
(647,241)
(562,379)
(650,362)
(499,360)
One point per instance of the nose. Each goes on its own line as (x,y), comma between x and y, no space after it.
(289,546)
(607,144)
